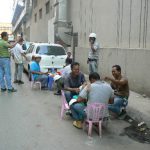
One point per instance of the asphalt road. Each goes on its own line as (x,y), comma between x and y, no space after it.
(30,120)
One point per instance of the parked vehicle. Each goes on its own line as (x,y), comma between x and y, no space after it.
(52,56)
(26,45)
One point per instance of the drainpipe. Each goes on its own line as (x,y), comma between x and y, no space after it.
(63,11)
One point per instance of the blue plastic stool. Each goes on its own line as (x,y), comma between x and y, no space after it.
(50,83)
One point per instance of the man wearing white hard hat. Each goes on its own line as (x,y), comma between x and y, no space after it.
(93,53)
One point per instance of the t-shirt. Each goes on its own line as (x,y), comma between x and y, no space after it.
(94,55)
(98,92)
(121,90)
(66,71)
(34,66)
(17,52)
(4,52)
(74,82)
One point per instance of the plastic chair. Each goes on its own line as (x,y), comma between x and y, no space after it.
(95,114)
(64,105)
(35,83)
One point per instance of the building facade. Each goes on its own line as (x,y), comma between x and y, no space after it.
(6,27)
(21,18)
(122,28)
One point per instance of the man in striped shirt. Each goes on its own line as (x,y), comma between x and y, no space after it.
(5,68)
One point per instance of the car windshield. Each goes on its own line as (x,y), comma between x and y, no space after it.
(50,50)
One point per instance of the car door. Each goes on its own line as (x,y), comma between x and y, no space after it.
(29,55)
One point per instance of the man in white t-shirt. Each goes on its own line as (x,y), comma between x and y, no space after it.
(18,54)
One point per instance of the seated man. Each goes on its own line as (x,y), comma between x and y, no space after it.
(96,92)
(36,72)
(60,80)
(73,81)
(121,91)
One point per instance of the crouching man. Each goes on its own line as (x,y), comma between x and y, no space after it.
(37,75)
(96,92)
(121,92)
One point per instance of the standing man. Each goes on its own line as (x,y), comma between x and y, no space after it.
(18,54)
(121,91)
(93,53)
(68,59)
(5,68)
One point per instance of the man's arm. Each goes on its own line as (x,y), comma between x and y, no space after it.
(36,72)
(118,82)
(68,88)
(24,56)
(83,96)
(94,47)
(80,99)
(11,45)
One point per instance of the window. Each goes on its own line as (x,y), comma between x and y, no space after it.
(30,49)
(47,7)
(35,3)
(50,50)
(35,17)
(40,13)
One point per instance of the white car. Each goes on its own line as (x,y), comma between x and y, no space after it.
(52,56)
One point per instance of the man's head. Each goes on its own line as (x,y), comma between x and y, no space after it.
(75,67)
(37,58)
(92,38)
(20,41)
(94,77)
(4,36)
(69,54)
(116,71)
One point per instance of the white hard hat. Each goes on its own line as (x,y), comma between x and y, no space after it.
(92,35)
(57,77)
(37,56)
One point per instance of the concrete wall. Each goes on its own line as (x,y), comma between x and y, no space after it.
(134,62)
(123,31)
(118,23)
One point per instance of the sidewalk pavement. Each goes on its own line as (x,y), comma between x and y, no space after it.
(139,107)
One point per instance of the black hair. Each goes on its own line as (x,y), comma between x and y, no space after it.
(4,34)
(74,64)
(118,68)
(94,76)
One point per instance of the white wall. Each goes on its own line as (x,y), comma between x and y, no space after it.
(118,23)
(123,31)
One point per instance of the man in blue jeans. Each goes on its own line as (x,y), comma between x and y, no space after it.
(36,72)
(5,68)
(96,92)
(121,92)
